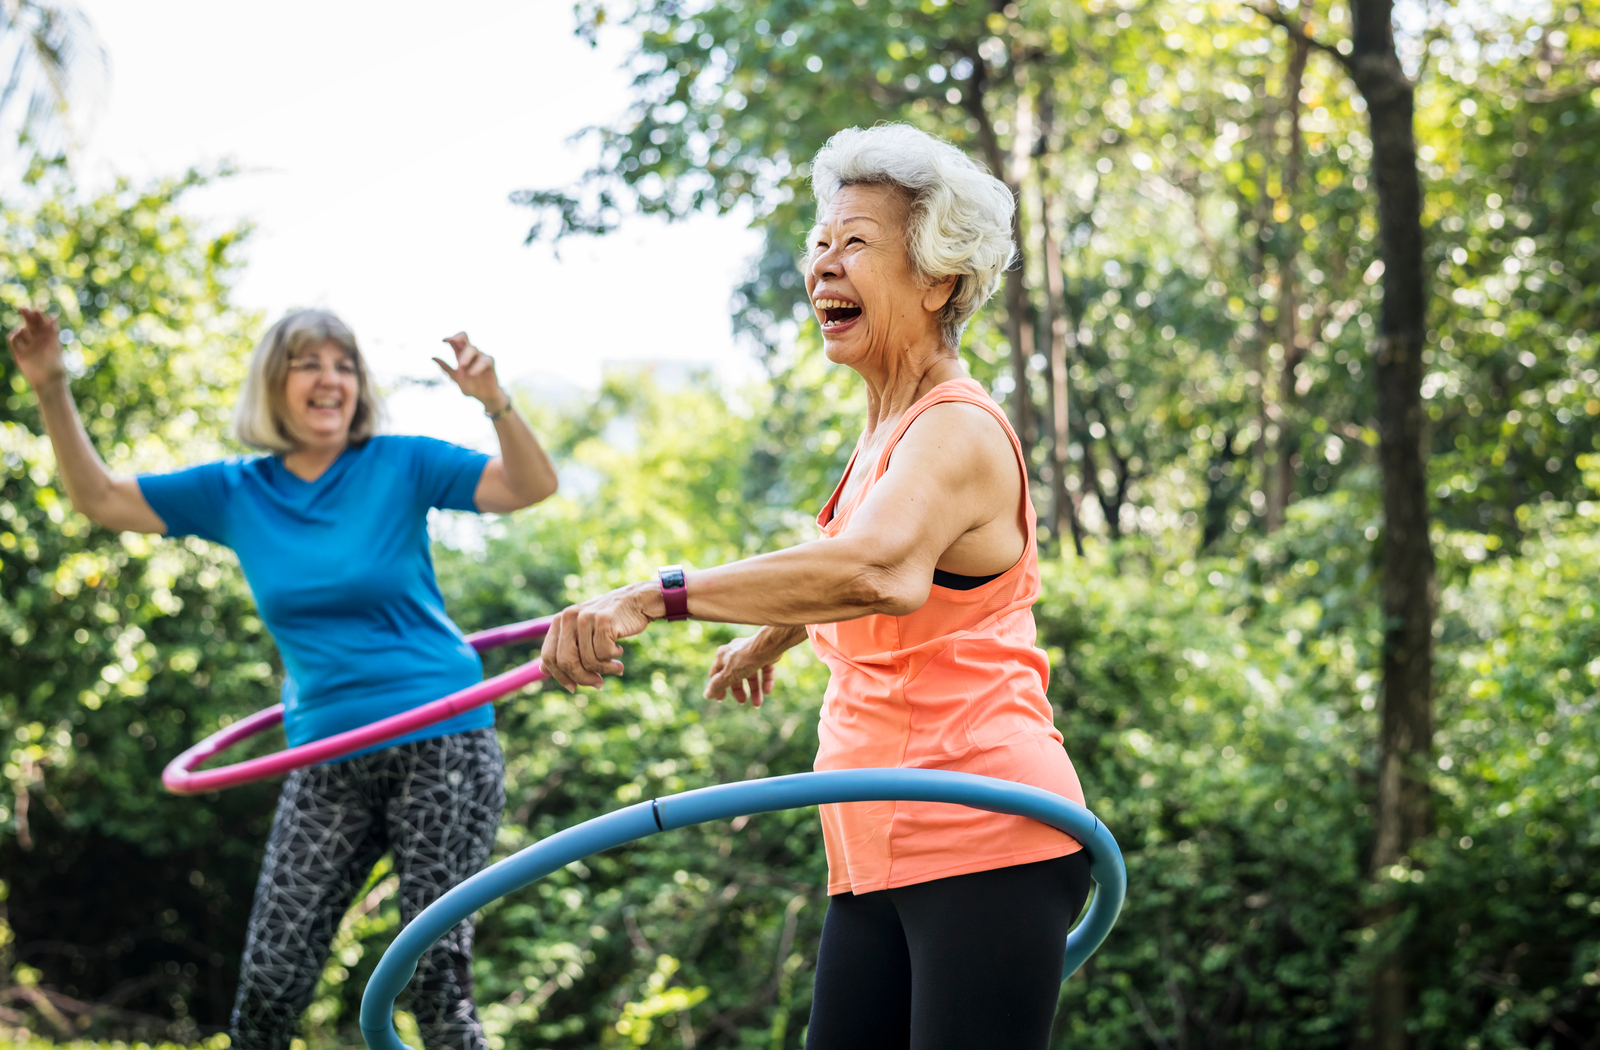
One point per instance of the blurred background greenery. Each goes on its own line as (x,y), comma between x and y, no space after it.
(1188,347)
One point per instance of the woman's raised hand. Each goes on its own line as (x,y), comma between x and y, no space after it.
(581,646)
(744,667)
(36,345)
(474,373)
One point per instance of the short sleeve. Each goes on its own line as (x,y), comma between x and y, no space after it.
(192,501)
(447,475)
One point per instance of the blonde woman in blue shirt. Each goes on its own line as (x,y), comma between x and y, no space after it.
(330,526)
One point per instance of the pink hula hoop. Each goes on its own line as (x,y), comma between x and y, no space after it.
(182,778)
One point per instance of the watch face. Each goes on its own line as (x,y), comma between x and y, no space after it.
(672,578)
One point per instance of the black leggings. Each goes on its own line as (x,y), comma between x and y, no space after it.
(963,963)
(435,805)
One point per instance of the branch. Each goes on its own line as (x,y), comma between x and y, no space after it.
(1590,76)
(1302,30)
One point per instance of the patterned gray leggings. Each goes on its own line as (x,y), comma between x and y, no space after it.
(435,805)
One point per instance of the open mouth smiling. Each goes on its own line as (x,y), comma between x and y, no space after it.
(835,313)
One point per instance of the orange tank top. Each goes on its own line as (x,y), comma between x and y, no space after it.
(959,684)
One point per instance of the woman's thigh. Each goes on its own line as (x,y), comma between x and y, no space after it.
(986,953)
(972,961)
(442,803)
(325,838)
(862,998)
(443,799)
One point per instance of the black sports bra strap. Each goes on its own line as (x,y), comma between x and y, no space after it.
(956,582)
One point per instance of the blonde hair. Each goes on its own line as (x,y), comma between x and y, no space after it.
(258,415)
(960,216)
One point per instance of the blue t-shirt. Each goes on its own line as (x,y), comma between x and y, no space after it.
(342,575)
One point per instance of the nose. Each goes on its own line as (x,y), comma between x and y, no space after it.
(824,264)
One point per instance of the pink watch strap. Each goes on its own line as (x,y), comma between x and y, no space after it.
(674,592)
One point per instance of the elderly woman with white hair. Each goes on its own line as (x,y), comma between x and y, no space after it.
(330,527)
(946,926)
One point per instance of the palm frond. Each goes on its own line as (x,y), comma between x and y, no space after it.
(56,72)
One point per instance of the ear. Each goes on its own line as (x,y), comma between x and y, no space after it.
(937,294)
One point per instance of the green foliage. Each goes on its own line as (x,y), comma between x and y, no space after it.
(216,1042)
(1224,728)
(117,650)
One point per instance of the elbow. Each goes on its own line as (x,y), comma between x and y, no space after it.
(94,508)
(537,492)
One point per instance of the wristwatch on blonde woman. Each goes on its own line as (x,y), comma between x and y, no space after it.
(674,592)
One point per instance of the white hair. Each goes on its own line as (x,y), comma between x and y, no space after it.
(258,415)
(960,216)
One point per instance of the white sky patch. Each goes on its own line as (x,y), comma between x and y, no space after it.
(378,145)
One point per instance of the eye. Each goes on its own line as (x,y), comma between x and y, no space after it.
(854,240)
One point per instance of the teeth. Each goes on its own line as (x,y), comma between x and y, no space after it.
(834,304)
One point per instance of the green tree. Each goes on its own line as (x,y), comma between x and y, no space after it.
(117,651)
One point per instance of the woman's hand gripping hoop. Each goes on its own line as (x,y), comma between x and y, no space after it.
(181,778)
(733,800)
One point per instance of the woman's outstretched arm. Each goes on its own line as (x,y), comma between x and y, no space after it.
(522,474)
(953,474)
(112,501)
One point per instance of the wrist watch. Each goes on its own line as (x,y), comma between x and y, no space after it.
(674,592)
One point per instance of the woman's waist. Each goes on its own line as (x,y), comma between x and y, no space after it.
(398,684)
(846,742)
(1032,758)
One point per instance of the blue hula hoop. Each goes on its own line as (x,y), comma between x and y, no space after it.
(721,802)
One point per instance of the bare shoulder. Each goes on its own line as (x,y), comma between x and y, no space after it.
(961,434)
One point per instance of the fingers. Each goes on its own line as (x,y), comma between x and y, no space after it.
(715,690)
(35,327)
(451,372)
(469,358)
(732,675)
(547,655)
(561,658)
(554,655)
(597,645)
(581,646)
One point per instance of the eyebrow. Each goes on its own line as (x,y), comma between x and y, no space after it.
(847,220)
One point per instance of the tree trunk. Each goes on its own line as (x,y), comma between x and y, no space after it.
(1258,214)
(1279,493)
(1064,507)
(1019,327)
(1405,735)
(1405,741)
(1063,503)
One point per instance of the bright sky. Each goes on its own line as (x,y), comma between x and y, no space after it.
(379,143)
